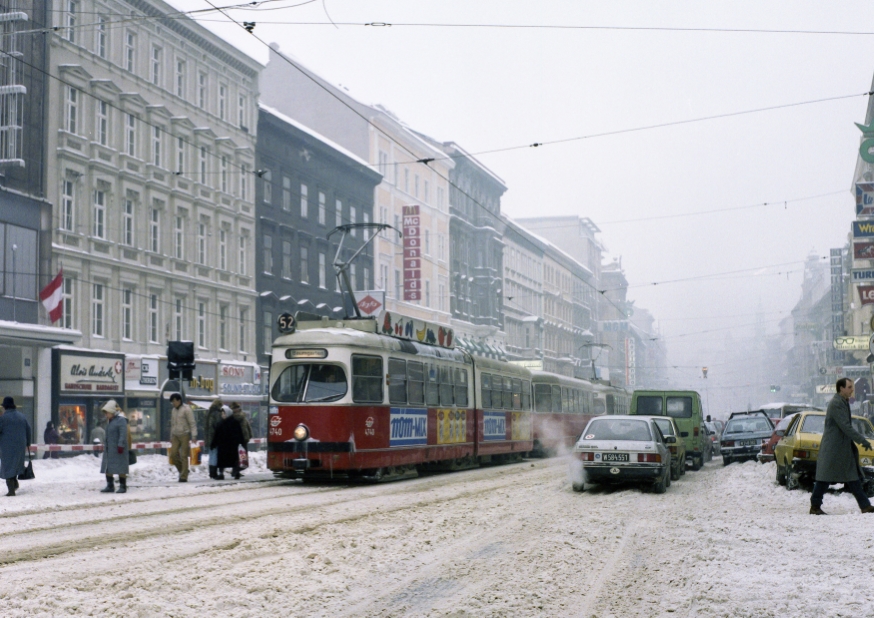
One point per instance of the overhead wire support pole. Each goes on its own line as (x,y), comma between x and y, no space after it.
(341,268)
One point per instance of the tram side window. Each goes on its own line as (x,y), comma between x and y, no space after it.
(460,387)
(366,379)
(415,383)
(578,403)
(486,393)
(445,386)
(508,394)
(542,398)
(397,381)
(517,394)
(431,388)
(497,391)
(526,395)
(556,399)
(566,400)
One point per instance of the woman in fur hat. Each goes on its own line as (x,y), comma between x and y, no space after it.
(115,452)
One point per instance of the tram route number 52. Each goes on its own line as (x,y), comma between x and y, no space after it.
(286,323)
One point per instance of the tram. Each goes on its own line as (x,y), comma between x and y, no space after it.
(386,398)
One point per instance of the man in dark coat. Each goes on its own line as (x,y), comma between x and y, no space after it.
(227,439)
(50,436)
(838,460)
(14,442)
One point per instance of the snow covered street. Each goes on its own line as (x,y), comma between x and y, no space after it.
(503,541)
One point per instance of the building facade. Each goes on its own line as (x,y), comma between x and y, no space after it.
(308,186)
(151,135)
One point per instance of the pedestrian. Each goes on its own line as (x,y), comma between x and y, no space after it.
(838,460)
(98,437)
(245,426)
(182,432)
(227,439)
(50,436)
(14,442)
(213,418)
(115,452)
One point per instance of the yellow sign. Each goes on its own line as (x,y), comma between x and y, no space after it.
(520,428)
(451,426)
(851,343)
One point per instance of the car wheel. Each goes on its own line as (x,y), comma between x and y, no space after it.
(675,473)
(661,485)
(578,487)
(868,487)
(792,481)
(697,462)
(668,478)
(683,467)
(726,460)
(781,475)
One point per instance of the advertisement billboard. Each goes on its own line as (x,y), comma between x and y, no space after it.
(413,254)
(863,229)
(865,199)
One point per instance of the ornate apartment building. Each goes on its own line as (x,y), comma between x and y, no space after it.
(151,141)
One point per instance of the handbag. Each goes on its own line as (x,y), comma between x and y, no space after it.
(131,457)
(27,475)
(244,457)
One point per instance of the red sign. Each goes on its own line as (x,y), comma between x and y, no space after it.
(369,304)
(412,254)
(866,294)
(863,250)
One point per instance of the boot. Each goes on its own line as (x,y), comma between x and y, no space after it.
(815,510)
(110,485)
(220,474)
(122,485)
(212,472)
(868,509)
(235,472)
(10,485)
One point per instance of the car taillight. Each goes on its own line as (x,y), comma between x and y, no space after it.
(801,454)
(586,456)
(695,431)
(649,458)
(728,443)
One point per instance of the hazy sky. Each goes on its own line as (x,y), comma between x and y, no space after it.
(489,88)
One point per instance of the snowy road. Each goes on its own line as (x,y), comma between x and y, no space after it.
(505,541)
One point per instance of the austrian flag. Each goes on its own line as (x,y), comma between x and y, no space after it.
(52,297)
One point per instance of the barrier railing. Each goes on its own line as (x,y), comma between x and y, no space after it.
(136,446)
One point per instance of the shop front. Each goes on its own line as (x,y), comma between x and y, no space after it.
(241,382)
(143,393)
(83,381)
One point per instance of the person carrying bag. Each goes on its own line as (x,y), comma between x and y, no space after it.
(14,441)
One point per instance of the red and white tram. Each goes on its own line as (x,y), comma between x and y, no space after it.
(386,398)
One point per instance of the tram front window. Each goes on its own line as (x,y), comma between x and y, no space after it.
(310,383)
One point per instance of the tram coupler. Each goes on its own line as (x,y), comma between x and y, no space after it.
(300,464)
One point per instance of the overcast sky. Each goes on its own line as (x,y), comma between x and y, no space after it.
(489,88)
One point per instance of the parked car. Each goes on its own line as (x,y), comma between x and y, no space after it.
(744,434)
(797,451)
(668,427)
(622,449)
(767,452)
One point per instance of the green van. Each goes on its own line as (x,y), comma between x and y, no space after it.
(686,410)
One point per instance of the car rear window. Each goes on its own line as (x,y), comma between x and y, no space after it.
(648,405)
(679,407)
(749,425)
(618,429)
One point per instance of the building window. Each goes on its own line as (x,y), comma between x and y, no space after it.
(304,201)
(202,85)
(178,319)
(180,156)
(366,231)
(268,254)
(130,135)
(398,284)
(304,265)
(383,164)
(67,320)
(157,53)
(353,218)
(155,230)
(286,194)
(427,242)
(153,318)
(440,246)
(201,324)
(102,122)
(178,237)
(204,166)
(201,243)
(427,293)
(127,224)
(338,212)
(323,272)
(322,209)
(416,185)
(223,250)
(223,327)
(244,182)
(68,205)
(439,198)
(156,147)
(99,230)
(224,173)
(72,115)
(353,278)
(100,43)
(180,78)
(130,50)
(383,277)
(97,325)
(242,255)
(127,310)
(222,100)
(366,283)
(406,180)
(286,259)
(268,331)
(244,316)
(425,192)
(242,110)
(70,20)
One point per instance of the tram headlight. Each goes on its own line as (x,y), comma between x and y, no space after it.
(301,433)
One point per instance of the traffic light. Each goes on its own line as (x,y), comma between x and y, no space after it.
(704,372)
(180,359)
(775,388)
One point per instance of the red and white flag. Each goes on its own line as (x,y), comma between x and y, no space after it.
(52,297)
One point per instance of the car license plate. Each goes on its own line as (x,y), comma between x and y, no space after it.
(748,442)
(614,457)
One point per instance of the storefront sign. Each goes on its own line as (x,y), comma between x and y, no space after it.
(413,254)
(863,249)
(239,380)
(139,371)
(851,343)
(866,294)
(825,389)
(863,229)
(608,326)
(863,274)
(91,374)
(865,199)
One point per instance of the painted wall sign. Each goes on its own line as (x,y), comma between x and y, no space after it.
(412,254)
(494,425)
(863,229)
(408,427)
(865,199)
(91,374)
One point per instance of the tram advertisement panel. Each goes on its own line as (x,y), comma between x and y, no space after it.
(409,427)
(494,425)
(520,428)
(451,426)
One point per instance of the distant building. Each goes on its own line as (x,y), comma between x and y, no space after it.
(308,186)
